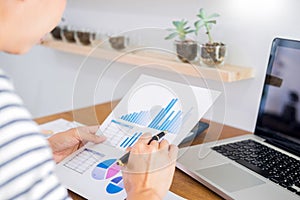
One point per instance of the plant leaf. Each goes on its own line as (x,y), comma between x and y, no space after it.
(186,28)
(213,16)
(175,23)
(184,22)
(190,31)
(211,22)
(201,13)
(171,36)
(198,24)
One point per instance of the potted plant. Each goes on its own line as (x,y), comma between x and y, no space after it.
(84,37)
(211,53)
(118,42)
(56,33)
(68,34)
(186,49)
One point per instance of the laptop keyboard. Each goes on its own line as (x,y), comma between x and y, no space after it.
(274,165)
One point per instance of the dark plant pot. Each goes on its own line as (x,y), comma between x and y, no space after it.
(118,42)
(212,54)
(84,37)
(56,33)
(186,50)
(69,35)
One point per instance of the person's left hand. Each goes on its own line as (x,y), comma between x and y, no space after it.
(65,143)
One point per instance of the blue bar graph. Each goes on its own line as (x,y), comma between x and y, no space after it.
(167,119)
(129,141)
(140,118)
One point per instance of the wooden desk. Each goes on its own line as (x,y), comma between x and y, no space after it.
(182,185)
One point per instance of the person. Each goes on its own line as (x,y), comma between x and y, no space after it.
(27,159)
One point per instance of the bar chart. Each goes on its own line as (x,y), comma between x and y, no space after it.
(129,141)
(167,118)
(153,105)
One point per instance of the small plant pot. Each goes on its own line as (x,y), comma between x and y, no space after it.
(118,42)
(84,37)
(187,50)
(212,54)
(68,35)
(56,33)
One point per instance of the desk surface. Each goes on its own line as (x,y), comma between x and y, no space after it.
(182,185)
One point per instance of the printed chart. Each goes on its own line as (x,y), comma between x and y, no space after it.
(107,170)
(151,105)
(121,135)
(126,130)
(129,141)
(83,160)
(115,186)
(154,105)
(166,120)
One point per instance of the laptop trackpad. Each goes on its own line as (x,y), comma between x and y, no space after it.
(230,177)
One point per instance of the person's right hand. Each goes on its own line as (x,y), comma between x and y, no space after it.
(150,169)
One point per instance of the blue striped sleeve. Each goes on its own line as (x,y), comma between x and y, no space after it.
(31,186)
(25,172)
(26,160)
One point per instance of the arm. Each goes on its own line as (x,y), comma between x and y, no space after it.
(150,169)
(65,143)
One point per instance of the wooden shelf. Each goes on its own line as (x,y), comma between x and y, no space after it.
(225,73)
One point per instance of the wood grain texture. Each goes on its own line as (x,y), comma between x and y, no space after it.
(141,56)
(182,185)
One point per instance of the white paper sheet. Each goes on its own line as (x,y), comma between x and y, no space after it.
(56,126)
(151,105)
(154,105)
(61,125)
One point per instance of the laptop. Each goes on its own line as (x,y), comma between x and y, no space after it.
(266,164)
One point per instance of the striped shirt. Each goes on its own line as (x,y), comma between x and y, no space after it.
(26,164)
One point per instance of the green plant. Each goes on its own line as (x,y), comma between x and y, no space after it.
(205,21)
(181,30)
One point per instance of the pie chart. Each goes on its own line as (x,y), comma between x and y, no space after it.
(116,185)
(105,170)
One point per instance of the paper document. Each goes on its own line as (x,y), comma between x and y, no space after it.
(61,125)
(56,126)
(151,105)
(154,105)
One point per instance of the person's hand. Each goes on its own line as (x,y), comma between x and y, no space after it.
(150,169)
(65,143)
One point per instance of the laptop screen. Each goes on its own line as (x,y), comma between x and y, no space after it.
(279,112)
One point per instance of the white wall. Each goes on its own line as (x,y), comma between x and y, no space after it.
(46,79)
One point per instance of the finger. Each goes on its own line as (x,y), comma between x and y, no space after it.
(85,136)
(173,151)
(138,148)
(153,146)
(145,138)
(128,149)
(164,144)
(93,129)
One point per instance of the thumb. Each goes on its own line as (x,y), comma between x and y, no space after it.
(88,134)
(92,129)
(88,137)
